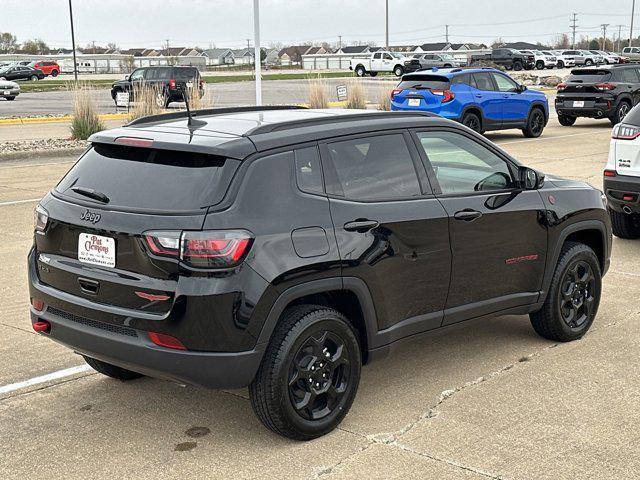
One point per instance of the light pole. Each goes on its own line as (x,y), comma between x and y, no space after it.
(386,16)
(73,43)
(633,9)
(256,42)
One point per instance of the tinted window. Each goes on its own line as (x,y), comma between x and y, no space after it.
(377,55)
(372,168)
(628,75)
(483,81)
(465,79)
(462,165)
(151,74)
(505,84)
(185,73)
(423,81)
(589,76)
(137,74)
(387,57)
(308,170)
(146,178)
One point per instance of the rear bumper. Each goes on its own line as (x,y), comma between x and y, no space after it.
(616,188)
(602,108)
(132,349)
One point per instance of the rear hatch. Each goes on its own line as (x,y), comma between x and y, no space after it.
(421,91)
(189,76)
(95,244)
(586,86)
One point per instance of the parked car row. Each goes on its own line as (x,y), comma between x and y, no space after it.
(28,70)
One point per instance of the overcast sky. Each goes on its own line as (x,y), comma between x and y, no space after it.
(228,23)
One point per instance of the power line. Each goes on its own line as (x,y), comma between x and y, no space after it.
(573,26)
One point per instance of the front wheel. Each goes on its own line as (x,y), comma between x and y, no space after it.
(398,71)
(588,62)
(560,64)
(624,225)
(472,121)
(540,65)
(309,375)
(574,295)
(34,78)
(566,120)
(535,124)
(517,66)
(111,370)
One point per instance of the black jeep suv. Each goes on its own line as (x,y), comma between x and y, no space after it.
(283,248)
(167,83)
(598,92)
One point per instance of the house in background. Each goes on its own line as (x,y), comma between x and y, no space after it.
(244,56)
(219,56)
(272,57)
(292,55)
(354,49)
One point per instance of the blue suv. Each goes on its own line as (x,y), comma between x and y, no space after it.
(480,98)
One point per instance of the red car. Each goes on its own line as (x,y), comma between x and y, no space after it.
(47,67)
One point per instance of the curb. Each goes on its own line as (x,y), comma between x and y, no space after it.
(41,153)
(61,118)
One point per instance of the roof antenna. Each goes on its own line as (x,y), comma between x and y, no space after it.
(190,120)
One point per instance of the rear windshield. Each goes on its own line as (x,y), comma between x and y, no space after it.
(148,179)
(432,82)
(589,76)
(185,73)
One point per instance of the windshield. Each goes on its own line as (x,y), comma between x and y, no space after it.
(395,55)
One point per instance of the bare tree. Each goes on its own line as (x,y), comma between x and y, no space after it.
(561,41)
(498,42)
(8,42)
(36,47)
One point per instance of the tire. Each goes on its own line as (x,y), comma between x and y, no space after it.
(588,62)
(306,334)
(560,64)
(624,225)
(360,71)
(621,111)
(10,98)
(398,71)
(574,295)
(34,78)
(566,120)
(448,65)
(472,121)
(517,66)
(111,370)
(535,123)
(54,73)
(373,74)
(540,65)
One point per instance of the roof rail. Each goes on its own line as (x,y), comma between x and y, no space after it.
(274,127)
(208,111)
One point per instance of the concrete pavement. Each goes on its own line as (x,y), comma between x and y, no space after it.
(490,399)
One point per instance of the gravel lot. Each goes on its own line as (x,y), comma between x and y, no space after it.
(487,400)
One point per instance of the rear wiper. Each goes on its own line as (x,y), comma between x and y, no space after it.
(91,193)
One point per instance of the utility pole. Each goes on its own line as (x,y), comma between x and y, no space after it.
(604,35)
(446,35)
(256,41)
(386,16)
(573,26)
(73,44)
(619,39)
(339,42)
(633,10)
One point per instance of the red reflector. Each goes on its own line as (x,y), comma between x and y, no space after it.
(167,341)
(172,84)
(151,297)
(41,326)
(628,198)
(37,304)
(134,142)
(610,173)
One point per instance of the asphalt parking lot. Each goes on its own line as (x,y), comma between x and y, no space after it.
(486,400)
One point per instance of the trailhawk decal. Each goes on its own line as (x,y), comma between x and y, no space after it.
(525,258)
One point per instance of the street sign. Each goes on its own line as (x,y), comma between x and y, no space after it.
(122,99)
(342,92)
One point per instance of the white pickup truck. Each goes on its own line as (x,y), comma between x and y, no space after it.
(381,61)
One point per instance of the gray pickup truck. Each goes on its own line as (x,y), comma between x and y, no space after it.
(509,58)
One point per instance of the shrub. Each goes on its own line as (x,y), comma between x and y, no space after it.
(85,120)
(145,103)
(356,96)
(318,93)
(384,98)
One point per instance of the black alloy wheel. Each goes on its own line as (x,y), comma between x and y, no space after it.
(472,121)
(319,376)
(535,124)
(576,300)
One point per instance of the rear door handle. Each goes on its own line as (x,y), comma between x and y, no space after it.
(361,226)
(478,95)
(467,215)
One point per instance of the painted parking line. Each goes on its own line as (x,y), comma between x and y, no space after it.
(67,372)
(18,202)
(497,141)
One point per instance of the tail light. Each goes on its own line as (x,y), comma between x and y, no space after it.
(172,84)
(207,249)
(561,86)
(40,219)
(603,87)
(625,132)
(395,91)
(610,173)
(37,304)
(447,95)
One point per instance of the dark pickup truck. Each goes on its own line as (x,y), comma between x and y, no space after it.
(508,58)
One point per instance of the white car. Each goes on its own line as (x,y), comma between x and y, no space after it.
(9,90)
(542,60)
(609,58)
(622,176)
(380,61)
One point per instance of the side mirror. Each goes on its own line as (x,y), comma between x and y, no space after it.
(531,179)
(522,88)
(127,77)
